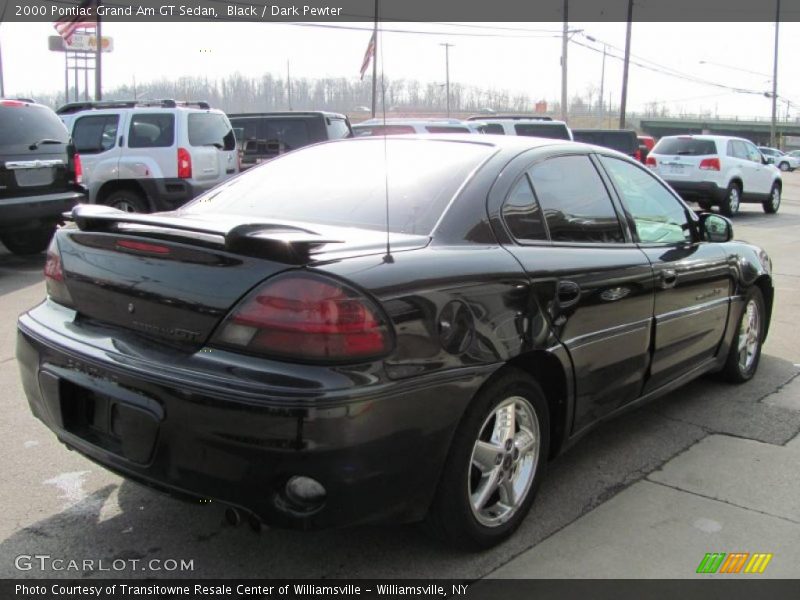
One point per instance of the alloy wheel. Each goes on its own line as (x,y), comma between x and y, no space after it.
(749,336)
(733,200)
(775,198)
(504,461)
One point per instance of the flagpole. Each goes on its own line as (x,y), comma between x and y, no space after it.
(98,60)
(375,60)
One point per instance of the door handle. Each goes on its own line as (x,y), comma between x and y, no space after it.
(668,278)
(568,293)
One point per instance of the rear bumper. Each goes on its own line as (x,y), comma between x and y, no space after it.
(698,190)
(213,427)
(29,212)
(171,193)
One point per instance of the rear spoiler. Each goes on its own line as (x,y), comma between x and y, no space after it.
(283,243)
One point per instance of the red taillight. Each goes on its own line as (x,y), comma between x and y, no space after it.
(12,103)
(78,168)
(184,164)
(52,267)
(709,164)
(54,276)
(651,161)
(143,247)
(306,317)
(638,155)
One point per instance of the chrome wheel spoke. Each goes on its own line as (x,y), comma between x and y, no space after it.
(504,424)
(486,488)
(749,336)
(508,495)
(524,441)
(486,457)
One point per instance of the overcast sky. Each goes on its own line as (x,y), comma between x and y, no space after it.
(520,57)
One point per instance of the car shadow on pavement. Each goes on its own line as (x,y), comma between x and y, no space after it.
(17,272)
(122,520)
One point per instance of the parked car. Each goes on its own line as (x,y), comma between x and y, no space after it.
(621,140)
(411,333)
(785,162)
(143,156)
(40,175)
(717,170)
(794,153)
(543,127)
(646,144)
(373,127)
(263,136)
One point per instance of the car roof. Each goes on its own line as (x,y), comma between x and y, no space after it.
(415,121)
(523,120)
(292,113)
(704,136)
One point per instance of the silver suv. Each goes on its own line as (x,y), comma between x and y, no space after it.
(150,156)
(717,170)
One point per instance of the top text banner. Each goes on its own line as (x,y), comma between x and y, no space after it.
(401,10)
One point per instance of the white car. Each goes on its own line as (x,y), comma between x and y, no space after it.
(523,125)
(785,162)
(399,126)
(717,170)
(150,156)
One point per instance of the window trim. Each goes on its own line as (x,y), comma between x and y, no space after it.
(523,241)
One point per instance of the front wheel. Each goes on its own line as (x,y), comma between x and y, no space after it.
(733,197)
(772,205)
(495,465)
(745,351)
(784,166)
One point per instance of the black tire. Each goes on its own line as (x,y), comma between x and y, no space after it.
(128,201)
(737,370)
(772,205)
(704,204)
(733,199)
(784,166)
(30,241)
(452,516)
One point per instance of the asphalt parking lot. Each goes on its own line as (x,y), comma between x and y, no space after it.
(57,503)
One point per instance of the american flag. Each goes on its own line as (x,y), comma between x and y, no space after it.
(67,25)
(368,55)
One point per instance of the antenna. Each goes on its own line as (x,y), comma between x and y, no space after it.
(388,258)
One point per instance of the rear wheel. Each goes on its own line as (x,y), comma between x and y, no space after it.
(31,241)
(772,205)
(495,465)
(127,201)
(784,166)
(745,349)
(733,197)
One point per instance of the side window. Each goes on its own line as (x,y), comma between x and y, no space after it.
(522,214)
(575,202)
(95,134)
(155,130)
(338,129)
(739,149)
(496,128)
(753,153)
(658,216)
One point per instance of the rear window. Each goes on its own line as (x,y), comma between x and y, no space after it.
(25,125)
(368,130)
(445,129)
(338,129)
(211,129)
(553,131)
(156,130)
(621,141)
(349,184)
(261,133)
(685,146)
(495,128)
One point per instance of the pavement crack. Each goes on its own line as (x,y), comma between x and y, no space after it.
(729,503)
(778,389)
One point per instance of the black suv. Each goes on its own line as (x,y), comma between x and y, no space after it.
(263,136)
(621,140)
(39,175)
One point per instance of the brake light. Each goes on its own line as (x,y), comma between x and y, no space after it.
(184,164)
(78,167)
(306,317)
(709,164)
(638,155)
(143,247)
(651,161)
(12,103)
(54,276)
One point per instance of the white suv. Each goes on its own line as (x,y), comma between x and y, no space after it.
(717,170)
(400,126)
(525,125)
(153,155)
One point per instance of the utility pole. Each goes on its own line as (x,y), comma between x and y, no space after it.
(447,73)
(564,41)
(98,60)
(772,132)
(2,84)
(375,61)
(289,84)
(623,103)
(602,82)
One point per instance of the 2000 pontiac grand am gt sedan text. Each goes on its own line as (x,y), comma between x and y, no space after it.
(261,347)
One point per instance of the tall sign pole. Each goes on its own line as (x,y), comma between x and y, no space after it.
(772,126)
(623,103)
(375,62)
(447,74)
(564,41)
(98,60)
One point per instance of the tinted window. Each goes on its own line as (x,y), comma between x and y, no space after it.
(737,149)
(522,214)
(348,184)
(494,128)
(621,141)
(95,133)
(658,216)
(262,134)
(338,129)
(685,146)
(211,129)
(24,125)
(152,130)
(367,130)
(445,129)
(575,201)
(545,130)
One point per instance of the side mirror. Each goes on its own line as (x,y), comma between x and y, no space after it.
(716,228)
(765,160)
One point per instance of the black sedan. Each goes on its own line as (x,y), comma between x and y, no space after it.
(385,329)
